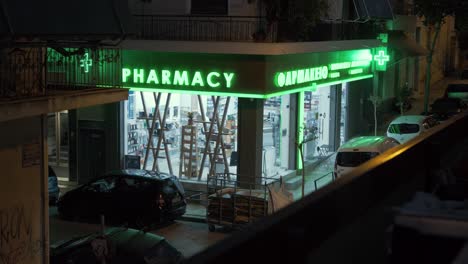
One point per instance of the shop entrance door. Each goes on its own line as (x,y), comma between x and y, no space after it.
(317,118)
(91,149)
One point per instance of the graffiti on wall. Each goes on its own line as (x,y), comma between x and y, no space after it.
(17,243)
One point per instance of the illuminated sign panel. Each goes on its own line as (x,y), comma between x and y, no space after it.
(86,62)
(84,67)
(381,58)
(178,78)
(320,69)
(196,73)
(253,76)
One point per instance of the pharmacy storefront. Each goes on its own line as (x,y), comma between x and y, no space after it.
(228,110)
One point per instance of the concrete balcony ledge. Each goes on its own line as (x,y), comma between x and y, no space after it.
(59,100)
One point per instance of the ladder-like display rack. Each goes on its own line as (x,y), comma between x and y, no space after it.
(151,122)
(214,129)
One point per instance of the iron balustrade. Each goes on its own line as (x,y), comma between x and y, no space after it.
(322,177)
(201,28)
(346,221)
(36,71)
(245,29)
(82,68)
(21,72)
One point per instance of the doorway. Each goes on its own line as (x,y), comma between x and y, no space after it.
(91,151)
(58,143)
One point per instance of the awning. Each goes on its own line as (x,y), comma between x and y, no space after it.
(405,46)
(250,70)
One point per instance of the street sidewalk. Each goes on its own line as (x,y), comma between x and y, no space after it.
(322,174)
(437,91)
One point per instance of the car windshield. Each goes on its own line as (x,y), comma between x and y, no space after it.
(403,128)
(354,159)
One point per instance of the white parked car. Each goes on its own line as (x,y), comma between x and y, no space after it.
(407,127)
(359,150)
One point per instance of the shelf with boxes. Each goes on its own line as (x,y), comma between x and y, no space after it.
(133,139)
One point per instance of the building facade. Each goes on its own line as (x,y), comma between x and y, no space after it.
(260,129)
(36,78)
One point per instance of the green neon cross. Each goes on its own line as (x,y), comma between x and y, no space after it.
(381,58)
(86,62)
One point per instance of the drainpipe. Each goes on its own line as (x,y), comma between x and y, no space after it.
(7,19)
(122,30)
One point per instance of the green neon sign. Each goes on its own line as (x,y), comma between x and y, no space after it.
(300,127)
(355,71)
(165,89)
(383,37)
(381,58)
(241,75)
(301,76)
(319,75)
(86,62)
(178,78)
(333,75)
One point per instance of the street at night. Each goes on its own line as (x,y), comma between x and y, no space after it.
(232,131)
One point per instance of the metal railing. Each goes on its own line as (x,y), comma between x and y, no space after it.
(245,28)
(201,28)
(78,68)
(35,71)
(22,72)
(322,177)
(348,219)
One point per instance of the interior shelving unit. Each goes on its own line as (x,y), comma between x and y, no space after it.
(133,139)
(188,165)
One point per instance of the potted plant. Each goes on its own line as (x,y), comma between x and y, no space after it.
(190,118)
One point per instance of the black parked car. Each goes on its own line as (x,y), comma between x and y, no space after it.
(138,198)
(444,108)
(116,246)
(54,190)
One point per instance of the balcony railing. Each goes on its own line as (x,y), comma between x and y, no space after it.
(202,28)
(245,29)
(78,68)
(400,7)
(37,71)
(22,72)
(348,220)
